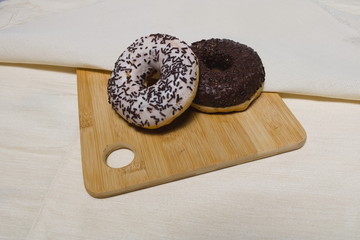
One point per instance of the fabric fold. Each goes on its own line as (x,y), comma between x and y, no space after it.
(304,49)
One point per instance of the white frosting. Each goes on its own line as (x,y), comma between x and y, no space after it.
(156,105)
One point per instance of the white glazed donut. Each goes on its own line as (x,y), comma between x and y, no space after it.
(153,106)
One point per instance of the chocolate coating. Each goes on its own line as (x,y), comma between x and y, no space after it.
(230,72)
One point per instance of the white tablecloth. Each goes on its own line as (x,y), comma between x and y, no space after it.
(310,193)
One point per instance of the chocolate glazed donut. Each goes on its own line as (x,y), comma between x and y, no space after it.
(231,75)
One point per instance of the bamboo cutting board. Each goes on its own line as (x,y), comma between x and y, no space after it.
(193,144)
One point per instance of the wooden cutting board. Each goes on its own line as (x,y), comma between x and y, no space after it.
(194,143)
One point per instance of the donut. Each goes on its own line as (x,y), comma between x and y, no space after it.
(231,75)
(137,97)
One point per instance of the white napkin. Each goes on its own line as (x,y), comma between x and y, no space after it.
(304,49)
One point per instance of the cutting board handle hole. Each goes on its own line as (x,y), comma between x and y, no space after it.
(120,158)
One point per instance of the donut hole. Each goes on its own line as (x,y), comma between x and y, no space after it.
(218,62)
(152,78)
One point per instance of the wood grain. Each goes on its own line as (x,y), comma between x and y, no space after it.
(194,143)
